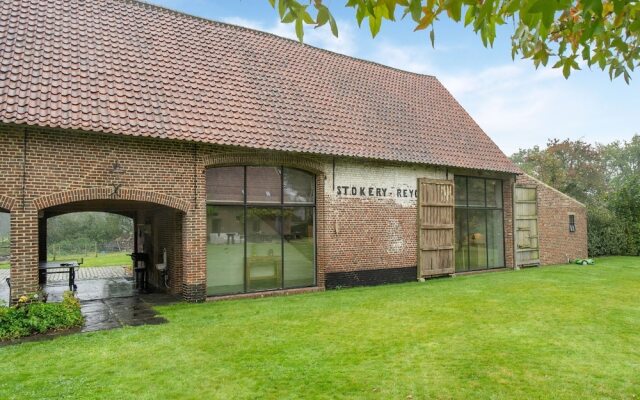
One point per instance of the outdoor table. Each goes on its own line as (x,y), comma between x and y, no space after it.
(66,267)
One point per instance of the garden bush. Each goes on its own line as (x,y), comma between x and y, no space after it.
(32,315)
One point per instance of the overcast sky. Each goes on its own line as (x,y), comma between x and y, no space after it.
(517,105)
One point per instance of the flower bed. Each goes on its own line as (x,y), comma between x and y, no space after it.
(33,315)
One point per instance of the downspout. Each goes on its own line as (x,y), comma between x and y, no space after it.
(513,223)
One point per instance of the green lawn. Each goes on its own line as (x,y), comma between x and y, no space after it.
(102,260)
(567,332)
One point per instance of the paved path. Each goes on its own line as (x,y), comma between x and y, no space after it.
(84,273)
(114,275)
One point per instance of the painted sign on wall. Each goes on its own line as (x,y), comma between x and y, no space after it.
(376,181)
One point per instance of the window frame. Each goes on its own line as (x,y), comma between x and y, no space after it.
(572,223)
(486,209)
(281,205)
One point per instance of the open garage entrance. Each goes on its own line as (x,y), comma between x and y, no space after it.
(137,251)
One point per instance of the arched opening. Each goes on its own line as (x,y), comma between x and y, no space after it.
(122,247)
(102,242)
(5,254)
(260,229)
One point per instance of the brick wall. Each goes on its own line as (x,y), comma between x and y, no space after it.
(44,168)
(372,214)
(557,244)
(365,214)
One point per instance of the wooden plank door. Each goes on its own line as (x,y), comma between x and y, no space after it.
(436,227)
(527,248)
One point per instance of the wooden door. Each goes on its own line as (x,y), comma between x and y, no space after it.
(527,249)
(436,224)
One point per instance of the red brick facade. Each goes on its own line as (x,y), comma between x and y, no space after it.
(557,243)
(46,169)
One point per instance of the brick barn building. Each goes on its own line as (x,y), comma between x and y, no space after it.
(258,163)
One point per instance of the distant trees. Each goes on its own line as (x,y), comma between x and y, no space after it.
(80,231)
(604,177)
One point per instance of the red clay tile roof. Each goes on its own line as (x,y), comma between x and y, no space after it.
(126,67)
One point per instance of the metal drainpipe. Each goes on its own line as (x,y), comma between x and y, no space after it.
(513,223)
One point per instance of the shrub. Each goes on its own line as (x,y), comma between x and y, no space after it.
(610,233)
(31,316)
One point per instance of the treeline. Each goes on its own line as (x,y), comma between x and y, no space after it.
(88,231)
(604,177)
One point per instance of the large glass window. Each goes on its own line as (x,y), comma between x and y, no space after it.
(265,242)
(479,224)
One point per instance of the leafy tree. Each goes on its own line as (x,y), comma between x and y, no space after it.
(573,167)
(605,177)
(604,33)
(86,229)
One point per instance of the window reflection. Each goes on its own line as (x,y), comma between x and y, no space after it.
(278,248)
(264,184)
(225,184)
(479,224)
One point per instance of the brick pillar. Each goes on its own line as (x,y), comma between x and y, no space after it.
(322,232)
(194,255)
(24,252)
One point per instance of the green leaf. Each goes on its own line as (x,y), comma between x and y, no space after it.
(416,10)
(454,9)
(307,18)
(566,70)
(323,16)
(360,14)
(289,18)
(282,8)
(374,25)
(432,37)
(299,29)
(546,8)
(592,5)
(391,9)
(469,15)
(273,3)
(333,25)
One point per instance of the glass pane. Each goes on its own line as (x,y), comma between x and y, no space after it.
(475,187)
(264,248)
(461,190)
(494,193)
(462,244)
(225,184)
(477,239)
(299,186)
(298,247)
(495,238)
(263,185)
(225,249)
(4,240)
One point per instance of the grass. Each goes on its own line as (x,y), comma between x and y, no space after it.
(91,260)
(558,332)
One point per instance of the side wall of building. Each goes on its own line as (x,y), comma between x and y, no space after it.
(365,221)
(557,243)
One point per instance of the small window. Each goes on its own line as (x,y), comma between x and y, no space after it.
(572,223)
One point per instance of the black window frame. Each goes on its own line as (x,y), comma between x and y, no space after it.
(467,207)
(572,223)
(281,205)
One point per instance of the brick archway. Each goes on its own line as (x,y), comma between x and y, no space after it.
(106,193)
(7,203)
(259,159)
